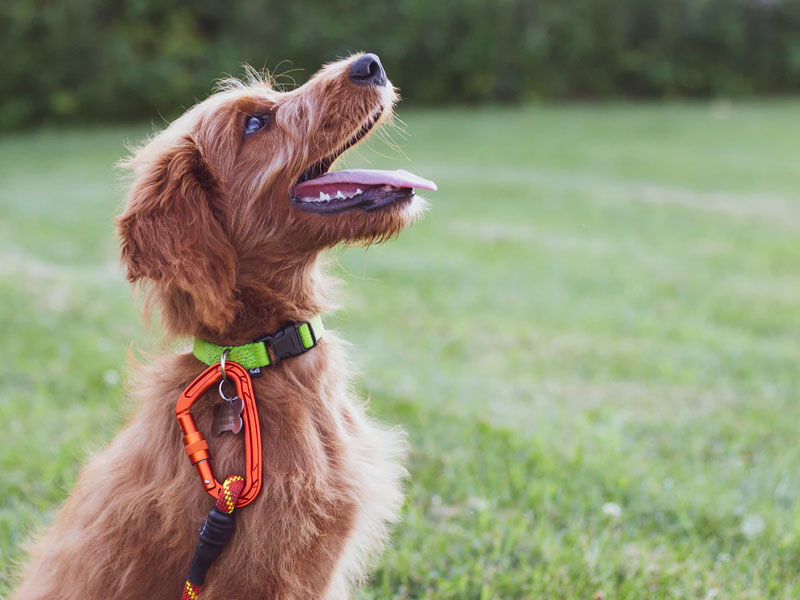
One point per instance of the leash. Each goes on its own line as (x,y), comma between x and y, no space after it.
(215,534)
(234,364)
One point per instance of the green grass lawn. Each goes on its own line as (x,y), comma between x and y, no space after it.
(592,340)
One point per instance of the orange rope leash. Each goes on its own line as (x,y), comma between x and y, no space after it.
(191,592)
(213,539)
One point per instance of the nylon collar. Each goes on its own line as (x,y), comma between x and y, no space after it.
(292,340)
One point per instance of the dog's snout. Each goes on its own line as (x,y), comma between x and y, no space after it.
(368,69)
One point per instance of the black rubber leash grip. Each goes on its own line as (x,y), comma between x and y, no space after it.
(215,533)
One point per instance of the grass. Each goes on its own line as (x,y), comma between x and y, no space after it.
(592,340)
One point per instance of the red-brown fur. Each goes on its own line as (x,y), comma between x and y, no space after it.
(225,256)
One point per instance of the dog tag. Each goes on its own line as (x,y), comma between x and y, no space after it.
(227,417)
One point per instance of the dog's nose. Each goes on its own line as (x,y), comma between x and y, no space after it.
(368,69)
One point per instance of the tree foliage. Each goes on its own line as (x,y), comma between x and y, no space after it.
(87,60)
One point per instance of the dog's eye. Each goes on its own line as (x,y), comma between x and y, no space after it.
(253,123)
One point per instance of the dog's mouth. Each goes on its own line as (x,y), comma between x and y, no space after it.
(321,192)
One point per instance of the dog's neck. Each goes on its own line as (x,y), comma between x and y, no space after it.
(272,296)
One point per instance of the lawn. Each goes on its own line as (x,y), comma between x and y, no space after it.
(592,340)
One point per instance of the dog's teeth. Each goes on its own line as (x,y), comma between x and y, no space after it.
(358,191)
(324,196)
(339,194)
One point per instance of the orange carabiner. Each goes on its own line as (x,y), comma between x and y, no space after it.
(195,443)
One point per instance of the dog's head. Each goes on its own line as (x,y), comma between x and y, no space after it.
(239,188)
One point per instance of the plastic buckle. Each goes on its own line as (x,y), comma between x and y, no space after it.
(286,342)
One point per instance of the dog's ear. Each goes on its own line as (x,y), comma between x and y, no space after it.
(171,233)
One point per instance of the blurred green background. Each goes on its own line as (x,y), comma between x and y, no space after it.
(592,338)
(84,60)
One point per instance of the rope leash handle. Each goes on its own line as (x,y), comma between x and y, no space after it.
(215,533)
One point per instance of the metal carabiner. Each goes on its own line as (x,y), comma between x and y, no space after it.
(195,443)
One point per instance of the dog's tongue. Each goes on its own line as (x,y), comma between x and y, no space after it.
(351,179)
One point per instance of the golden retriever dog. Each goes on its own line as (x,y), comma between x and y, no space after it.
(228,216)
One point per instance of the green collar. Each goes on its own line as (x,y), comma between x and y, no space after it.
(292,340)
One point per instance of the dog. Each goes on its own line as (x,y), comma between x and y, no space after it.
(226,223)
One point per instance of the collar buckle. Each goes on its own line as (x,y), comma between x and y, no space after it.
(287,342)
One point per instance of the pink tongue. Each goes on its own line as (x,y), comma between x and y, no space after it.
(346,180)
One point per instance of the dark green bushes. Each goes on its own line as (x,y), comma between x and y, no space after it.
(88,60)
